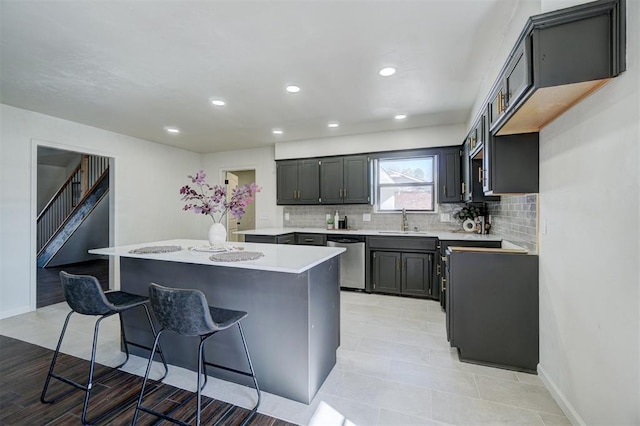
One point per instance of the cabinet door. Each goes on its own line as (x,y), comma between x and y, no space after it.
(416,273)
(476,188)
(449,176)
(356,188)
(308,181)
(497,104)
(386,272)
(331,181)
(518,77)
(287,182)
(465,174)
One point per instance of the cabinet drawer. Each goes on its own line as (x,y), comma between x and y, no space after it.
(286,239)
(311,239)
(403,243)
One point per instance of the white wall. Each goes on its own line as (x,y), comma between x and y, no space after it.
(423,137)
(590,254)
(268,214)
(146,201)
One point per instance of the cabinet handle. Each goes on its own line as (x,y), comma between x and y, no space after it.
(344,192)
(298,194)
(443,286)
(463,187)
(340,192)
(438,269)
(480,170)
(294,194)
(444,190)
(308,240)
(503,101)
(398,264)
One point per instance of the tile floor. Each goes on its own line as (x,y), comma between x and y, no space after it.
(395,367)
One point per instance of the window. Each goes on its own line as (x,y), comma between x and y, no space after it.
(406,183)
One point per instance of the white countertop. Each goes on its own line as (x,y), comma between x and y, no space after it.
(442,235)
(277,257)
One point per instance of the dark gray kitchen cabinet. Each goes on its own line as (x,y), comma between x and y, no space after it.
(417,271)
(510,164)
(401,265)
(298,182)
(271,239)
(311,239)
(439,286)
(386,273)
(559,58)
(345,180)
(449,180)
(492,308)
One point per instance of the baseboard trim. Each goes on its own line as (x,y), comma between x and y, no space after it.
(14,312)
(559,397)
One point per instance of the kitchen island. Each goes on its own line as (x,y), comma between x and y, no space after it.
(292,296)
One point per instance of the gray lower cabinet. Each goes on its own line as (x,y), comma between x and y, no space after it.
(311,239)
(402,265)
(439,287)
(271,239)
(492,308)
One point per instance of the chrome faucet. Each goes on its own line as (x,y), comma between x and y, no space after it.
(405,224)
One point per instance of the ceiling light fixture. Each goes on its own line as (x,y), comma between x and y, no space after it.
(386,72)
(400,116)
(293,89)
(217,102)
(172,130)
(333,124)
(277,131)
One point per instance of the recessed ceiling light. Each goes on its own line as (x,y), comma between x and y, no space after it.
(386,72)
(217,102)
(277,131)
(172,130)
(333,124)
(293,89)
(400,116)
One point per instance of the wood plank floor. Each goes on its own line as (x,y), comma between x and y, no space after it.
(49,289)
(23,369)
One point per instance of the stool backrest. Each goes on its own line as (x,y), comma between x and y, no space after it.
(182,311)
(84,294)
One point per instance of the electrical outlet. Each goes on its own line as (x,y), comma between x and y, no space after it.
(366,217)
(445,217)
(286,216)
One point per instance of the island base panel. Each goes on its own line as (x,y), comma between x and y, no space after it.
(292,331)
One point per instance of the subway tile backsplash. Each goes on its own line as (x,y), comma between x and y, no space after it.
(315,217)
(513,218)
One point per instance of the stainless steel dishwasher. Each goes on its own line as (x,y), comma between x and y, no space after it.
(351,261)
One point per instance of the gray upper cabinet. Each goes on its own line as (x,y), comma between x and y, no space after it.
(449,183)
(345,180)
(511,164)
(298,182)
(559,58)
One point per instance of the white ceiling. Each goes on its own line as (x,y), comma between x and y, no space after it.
(134,67)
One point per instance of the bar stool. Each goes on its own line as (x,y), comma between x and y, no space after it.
(85,296)
(187,313)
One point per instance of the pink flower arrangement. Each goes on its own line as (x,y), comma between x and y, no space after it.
(212,200)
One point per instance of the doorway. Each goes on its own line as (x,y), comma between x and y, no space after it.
(73,215)
(234,178)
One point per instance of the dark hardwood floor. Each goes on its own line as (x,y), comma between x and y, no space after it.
(49,290)
(23,369)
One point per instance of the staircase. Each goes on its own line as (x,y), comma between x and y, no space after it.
(67,210)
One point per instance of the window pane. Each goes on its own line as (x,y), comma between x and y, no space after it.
(406,197)
(406,170)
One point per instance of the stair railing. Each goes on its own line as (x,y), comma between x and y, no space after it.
(68,197)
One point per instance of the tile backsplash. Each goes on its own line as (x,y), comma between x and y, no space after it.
(513,218)
(315,217)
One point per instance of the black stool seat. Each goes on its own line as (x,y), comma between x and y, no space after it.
(186,312)
(85,296)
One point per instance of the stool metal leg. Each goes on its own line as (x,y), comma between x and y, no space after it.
(253,375)
(43,396)
(153,330)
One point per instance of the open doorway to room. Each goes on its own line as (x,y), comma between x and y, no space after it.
(73,216)
(234,178)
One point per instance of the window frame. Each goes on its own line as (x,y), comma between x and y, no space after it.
(408,156)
